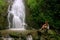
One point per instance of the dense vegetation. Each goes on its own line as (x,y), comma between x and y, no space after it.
(44,10)
(3,14)
(38,12)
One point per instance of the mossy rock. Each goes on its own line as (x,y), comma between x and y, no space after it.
(51,35)
(51,32)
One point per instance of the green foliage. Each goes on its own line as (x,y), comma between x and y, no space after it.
(43,10)
(3,14)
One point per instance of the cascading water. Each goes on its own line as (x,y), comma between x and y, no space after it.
(16,15)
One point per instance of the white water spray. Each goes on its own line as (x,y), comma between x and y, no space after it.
(16,15)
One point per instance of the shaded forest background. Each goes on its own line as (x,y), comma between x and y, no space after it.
(38,12)
(44,10)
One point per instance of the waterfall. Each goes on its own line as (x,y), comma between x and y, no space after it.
(16,15)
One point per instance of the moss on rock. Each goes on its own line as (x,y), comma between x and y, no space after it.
(36,34)
(3,14)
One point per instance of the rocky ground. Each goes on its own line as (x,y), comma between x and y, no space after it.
(36,34)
